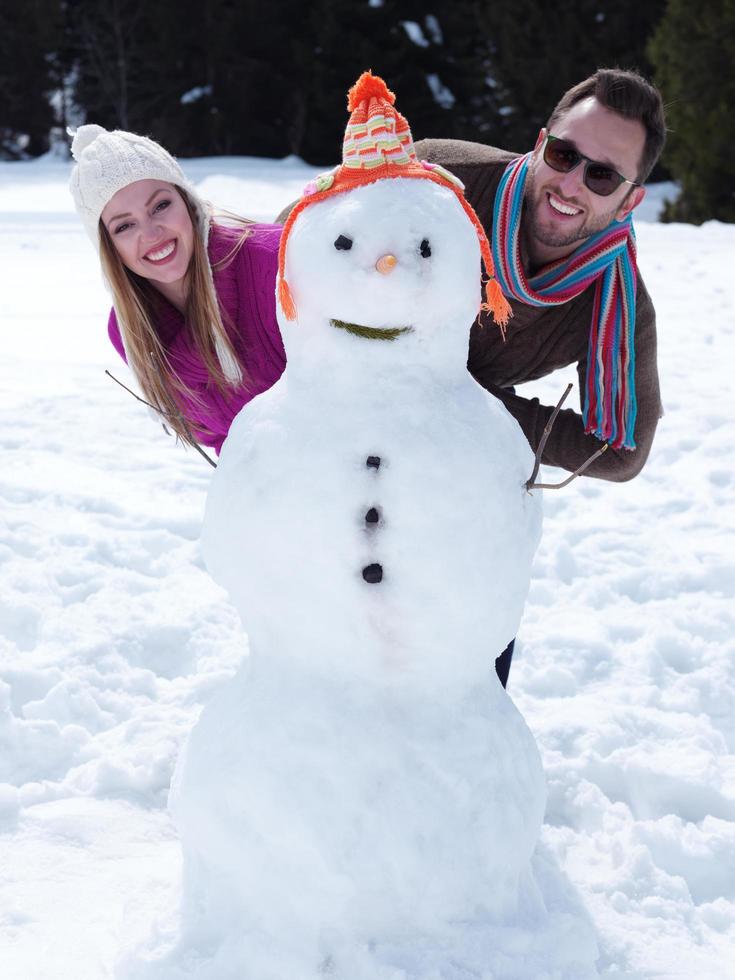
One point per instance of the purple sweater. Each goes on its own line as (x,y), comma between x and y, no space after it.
(246,292)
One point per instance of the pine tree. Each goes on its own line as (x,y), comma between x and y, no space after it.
(132,61)
(443,69)
(26,37)
(538,52)
(693,50)
(429,52)
(258,57)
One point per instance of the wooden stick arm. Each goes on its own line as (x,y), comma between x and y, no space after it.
(165,415)
(530,483)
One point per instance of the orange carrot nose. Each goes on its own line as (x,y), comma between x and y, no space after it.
(386,264)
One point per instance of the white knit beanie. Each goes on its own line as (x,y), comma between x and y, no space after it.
(108,161)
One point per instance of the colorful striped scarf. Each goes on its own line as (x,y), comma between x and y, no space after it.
(607,259)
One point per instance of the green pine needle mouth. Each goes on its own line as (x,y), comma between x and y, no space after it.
(372,333)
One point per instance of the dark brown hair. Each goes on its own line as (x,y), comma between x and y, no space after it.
(631,96)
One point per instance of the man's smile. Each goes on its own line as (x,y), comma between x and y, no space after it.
(562,207)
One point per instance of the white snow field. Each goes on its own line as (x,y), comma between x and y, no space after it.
(112,635)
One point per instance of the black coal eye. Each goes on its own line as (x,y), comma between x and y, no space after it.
(425,248)
(343,243)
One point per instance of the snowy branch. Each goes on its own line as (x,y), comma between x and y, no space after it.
(530,483)
(164,415)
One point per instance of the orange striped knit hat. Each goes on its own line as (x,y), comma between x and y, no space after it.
(378,144)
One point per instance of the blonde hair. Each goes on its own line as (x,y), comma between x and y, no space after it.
(135,300)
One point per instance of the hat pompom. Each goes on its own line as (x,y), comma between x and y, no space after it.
(368,86)
(83,137)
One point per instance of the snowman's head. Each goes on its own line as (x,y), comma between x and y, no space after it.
(395,262)
(384,249)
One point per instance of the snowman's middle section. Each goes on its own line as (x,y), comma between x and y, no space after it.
(396,546)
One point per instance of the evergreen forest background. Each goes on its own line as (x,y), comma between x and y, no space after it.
(269,77)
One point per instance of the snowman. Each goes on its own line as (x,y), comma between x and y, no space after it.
(363,799)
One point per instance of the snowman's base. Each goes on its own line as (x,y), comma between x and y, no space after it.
(550,938)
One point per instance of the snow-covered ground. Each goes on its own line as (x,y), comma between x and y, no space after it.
(112,635)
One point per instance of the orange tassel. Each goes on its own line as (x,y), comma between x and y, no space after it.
(497,304)
(286,300)
(495,301)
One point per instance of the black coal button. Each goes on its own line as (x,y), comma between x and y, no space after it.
(373,573)
(373,462)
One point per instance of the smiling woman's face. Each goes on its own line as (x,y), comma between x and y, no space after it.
(149,225)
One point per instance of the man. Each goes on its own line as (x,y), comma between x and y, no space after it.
(570,201)
(612,128)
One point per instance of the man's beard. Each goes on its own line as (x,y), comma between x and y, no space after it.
(559,237)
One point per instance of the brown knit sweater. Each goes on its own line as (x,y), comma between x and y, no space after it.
(541,339)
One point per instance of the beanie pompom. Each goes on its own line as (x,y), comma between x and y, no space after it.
(368,86)
(83,137)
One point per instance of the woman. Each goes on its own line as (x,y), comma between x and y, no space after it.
(194,309)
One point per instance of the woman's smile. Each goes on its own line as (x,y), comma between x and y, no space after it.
(162,253)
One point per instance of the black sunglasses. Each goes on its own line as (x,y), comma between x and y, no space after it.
(563,156)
